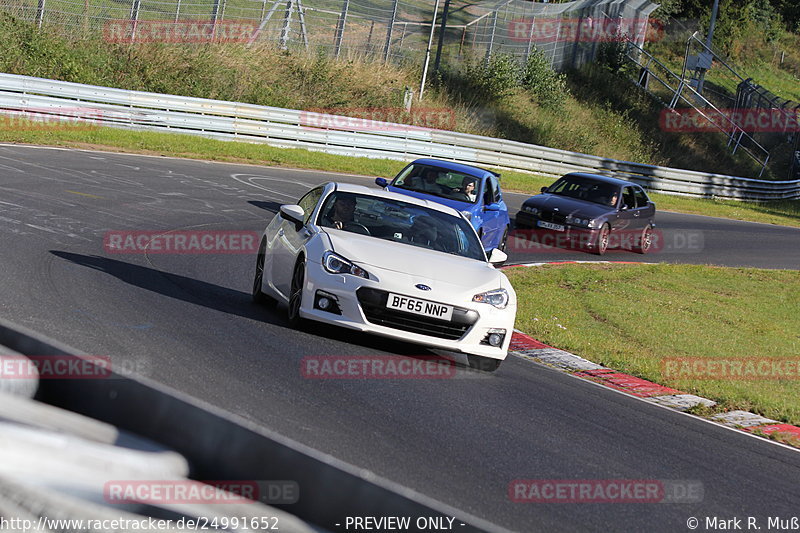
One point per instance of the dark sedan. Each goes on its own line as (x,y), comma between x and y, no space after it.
(591,212)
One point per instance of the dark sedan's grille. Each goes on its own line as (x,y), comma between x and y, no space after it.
(373,303)
(553,216)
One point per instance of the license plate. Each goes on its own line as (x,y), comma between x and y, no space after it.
(419,307)
(550,225)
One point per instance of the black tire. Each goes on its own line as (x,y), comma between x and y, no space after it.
(601,243)
(258,295)
(645,241)
(484,364)
(296,294)
(504,240)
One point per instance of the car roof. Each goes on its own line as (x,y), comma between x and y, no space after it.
(382,193)
(604,179)
(458,167)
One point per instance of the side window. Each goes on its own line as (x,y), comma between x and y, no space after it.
(309,202)
(628,198)
(641,198)
(491,195)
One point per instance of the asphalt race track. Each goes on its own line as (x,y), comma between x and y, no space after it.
(187,321)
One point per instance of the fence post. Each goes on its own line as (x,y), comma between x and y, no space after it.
(287,22)
(134,18)
(177,11)
(214,17)
(530,40)
(441,36)
(340,29)
(40,14)
(389,32)
(491,37)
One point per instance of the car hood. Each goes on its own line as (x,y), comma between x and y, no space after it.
(417,264)
(568,206)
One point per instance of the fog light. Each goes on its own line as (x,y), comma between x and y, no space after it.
(325,301)
(494,337)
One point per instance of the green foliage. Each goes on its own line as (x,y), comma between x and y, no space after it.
(545,84)
(495,78)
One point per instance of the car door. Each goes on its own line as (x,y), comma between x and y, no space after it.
(644,206)
(492,220)
(289,241)
(628,219)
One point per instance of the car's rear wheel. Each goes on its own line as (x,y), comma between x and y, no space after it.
(296,293)
(601,244)
(484,364)
(258,295)
(645,241)
(504,240)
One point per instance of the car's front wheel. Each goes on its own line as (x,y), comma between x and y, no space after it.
(601,244)
(644,242)
(296,293)
(484,364)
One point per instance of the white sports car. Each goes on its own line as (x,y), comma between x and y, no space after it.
(388,264)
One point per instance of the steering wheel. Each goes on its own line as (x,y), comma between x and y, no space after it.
(461,197)
(355,227)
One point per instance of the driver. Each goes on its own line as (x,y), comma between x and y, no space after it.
(343,211)
(423,231)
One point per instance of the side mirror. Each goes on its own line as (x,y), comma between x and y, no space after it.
(544,189)
(293,213)
(381,182)
(492,207)
(497,257)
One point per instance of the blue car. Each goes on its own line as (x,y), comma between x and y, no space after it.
(472,190)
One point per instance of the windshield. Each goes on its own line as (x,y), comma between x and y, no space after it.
(439,182)
(401,222)
(597,192)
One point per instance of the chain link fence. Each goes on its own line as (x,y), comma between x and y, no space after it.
(569,33)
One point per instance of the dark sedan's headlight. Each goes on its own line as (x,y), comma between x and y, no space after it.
(336,264)
(579,221)
(530,209)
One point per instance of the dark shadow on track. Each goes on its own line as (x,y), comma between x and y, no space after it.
(272,207)
(230,301)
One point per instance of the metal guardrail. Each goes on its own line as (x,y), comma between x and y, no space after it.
(42,99)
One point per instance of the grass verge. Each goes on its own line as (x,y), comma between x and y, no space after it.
(632,318)
(780,212)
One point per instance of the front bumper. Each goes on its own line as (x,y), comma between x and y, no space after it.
(363,311)
(528,233)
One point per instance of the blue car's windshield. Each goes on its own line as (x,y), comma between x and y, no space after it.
(439,182)
(590,190)
(401,222)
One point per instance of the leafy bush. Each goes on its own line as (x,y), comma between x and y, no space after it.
(496,78)
(545,84)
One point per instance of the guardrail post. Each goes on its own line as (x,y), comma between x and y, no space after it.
(40,14)
(389,32)
(340,29)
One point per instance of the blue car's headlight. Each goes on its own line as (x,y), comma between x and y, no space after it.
(467,214)
(336,264)
(497,298)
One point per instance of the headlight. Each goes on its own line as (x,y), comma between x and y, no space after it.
(577,221)
(497,298)
(531,210)
(336,264)
(467,214)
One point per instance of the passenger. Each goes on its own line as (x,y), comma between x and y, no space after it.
(428,183)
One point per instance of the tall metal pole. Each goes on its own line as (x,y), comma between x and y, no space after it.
(337,44)
(388,44)
(428,50)
(702,77)
(441,36)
